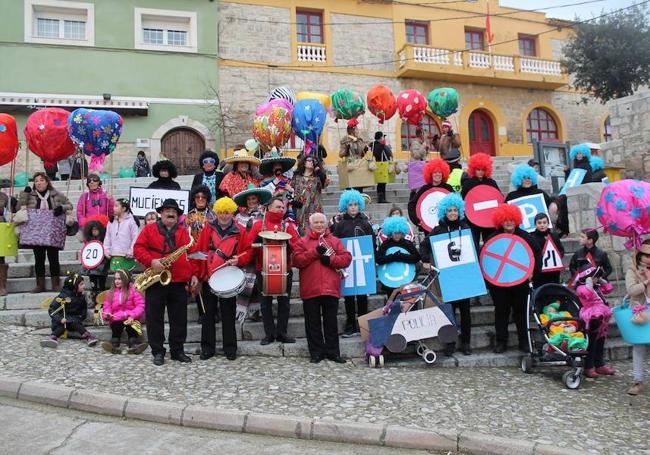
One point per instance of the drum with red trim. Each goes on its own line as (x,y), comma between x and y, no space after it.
(274,269)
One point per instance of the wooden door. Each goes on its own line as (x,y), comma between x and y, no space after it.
(183,147)
(481,133)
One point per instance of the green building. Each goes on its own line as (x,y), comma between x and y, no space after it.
(152,61)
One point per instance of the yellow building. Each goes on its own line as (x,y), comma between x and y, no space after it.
(512,87)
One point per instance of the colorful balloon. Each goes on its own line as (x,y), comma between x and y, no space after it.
(411,105)
(322,97)
(21,179)
(283,93)
(308,121)
(443,101)
(8,139)
(381,102)
(272,123)
(96,133)
(347,104)
(126,172)
(46,131)
(624,209)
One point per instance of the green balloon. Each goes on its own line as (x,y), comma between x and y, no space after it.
(21,179)
(443,101)
(347,104)
(126,172)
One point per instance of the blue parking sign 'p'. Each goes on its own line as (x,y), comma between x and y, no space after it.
(360,276)
(530,206)
(460,273)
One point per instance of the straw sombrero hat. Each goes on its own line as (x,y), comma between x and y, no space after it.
(242,156)
(267,163)
(263,194)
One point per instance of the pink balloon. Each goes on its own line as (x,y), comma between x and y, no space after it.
(411,105)
(624,208)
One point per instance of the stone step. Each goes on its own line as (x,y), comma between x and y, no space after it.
(248,344)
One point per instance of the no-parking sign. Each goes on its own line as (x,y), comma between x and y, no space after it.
(480,203)
(507,260)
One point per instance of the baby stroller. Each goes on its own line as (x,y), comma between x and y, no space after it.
(407,318)
(542,352)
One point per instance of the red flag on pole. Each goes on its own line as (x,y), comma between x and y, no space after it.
(489,36)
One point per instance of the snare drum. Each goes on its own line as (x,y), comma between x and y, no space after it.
(227,282)
(274,269)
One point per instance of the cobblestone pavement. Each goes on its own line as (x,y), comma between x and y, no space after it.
(599,418)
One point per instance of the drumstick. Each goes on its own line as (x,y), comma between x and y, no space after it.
(201,300)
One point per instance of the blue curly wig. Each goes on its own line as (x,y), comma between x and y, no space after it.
(349,196)
(394,224)
(596,163)
(580,148)
(451,200)
(522,171)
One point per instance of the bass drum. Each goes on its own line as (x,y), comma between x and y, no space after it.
(227,282)
(274,269)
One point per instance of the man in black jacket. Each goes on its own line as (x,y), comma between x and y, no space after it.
(165,172)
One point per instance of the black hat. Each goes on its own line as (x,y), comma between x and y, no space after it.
(452,156)
(201,189)
(208,154)
(170,204)
(164,164)
(379,135)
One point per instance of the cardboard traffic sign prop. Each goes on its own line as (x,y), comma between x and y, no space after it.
(480,203)
(507,260)
(575,178)
(92,254)
(551,257)
(396,274)
(427,207)
(360,276)
(460,273)
(530,206)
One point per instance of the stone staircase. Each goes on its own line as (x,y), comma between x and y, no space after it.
(23,308)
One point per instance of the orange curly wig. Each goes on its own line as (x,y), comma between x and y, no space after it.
(506,212)
(479,161)
(435,165)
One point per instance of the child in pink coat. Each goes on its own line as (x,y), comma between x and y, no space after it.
(123,308)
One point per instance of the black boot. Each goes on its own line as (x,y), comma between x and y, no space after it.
(135,347)
(113,347)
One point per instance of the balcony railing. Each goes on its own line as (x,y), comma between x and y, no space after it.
(312,53)
(413,56)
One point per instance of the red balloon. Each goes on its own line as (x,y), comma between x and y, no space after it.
(47,137)
(8,139)
(411,105)
(381,102)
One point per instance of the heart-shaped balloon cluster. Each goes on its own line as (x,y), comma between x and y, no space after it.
(412,106)
(95,132)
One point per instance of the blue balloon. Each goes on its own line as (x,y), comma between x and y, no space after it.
(308,120)
(95,132)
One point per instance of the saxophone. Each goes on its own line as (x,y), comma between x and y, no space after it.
(149,277)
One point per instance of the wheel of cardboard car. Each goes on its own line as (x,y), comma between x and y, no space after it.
(396,343)
(448,334)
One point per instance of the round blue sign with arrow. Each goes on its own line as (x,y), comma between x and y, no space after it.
(506,260)
(396,274)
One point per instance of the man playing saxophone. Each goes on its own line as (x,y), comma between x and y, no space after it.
(155,242)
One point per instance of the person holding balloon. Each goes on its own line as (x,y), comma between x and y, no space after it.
(381,152)
(352,146)
(43,196)
(240,177)
(93,202)
(447,140)
(308,183)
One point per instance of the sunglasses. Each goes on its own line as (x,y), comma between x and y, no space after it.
(200,196)
(93,181)
(209,161)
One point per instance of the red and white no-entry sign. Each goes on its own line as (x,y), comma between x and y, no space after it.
(480,203)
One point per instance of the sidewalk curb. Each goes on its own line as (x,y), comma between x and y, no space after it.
(270,424)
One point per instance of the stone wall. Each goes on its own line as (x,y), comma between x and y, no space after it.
(630,125)
(375,43)
(242,39)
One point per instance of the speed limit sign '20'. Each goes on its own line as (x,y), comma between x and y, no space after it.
(92,254)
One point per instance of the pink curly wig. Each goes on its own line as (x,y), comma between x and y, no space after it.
(506,212)
(479,161)
(435,165)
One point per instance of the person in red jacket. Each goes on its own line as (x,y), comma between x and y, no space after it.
(274,221)
(319,255)
(226,244)
(156,241)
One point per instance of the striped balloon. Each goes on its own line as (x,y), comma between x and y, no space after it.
(283,93)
